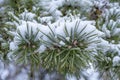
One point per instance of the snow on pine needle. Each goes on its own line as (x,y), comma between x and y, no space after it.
(108,62)
(64,37)
(28,43)
(67,46)
(61,8)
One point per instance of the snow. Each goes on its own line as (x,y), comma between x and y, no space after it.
(1,66)
(106,31)
(62,43)
(71,78)
(116,61)
(24,77)
(2,9)
(51,18)
(71,25)
(117,32)
(14,17)
(46,19)
(67,38)
(94,76)
(41,49)
(27,15)
(54,5)
(59,30)
(4,74)
(90,74)
(31,26)
(1,2)
(13,46)
(86,2)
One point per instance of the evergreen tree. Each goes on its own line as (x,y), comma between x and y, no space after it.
(59,39)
